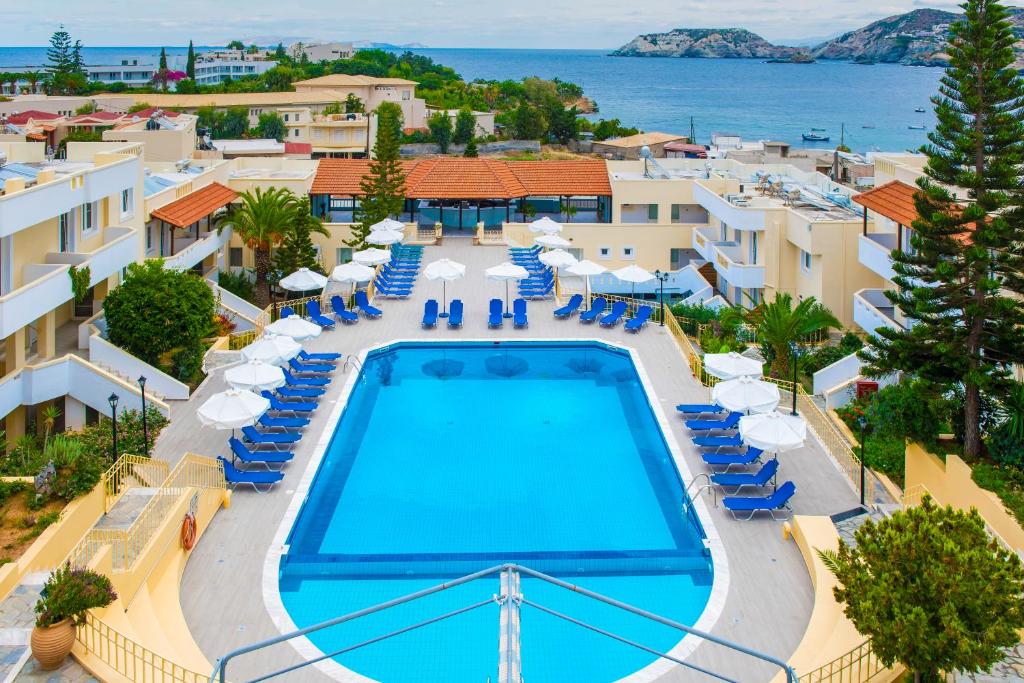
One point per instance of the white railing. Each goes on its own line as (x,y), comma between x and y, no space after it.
(197,250)
(874,253)
(124,364)
(869,310)
(737,273)
(741,218)
(235,303)
(46,286)
(840,372)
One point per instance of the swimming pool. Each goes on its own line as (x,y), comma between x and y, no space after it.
(450,458)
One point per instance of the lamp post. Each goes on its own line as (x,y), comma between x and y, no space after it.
(662,277)
(112,400)
(796,358)
(145,425)
(862,423)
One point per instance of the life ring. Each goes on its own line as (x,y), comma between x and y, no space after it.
(188,532)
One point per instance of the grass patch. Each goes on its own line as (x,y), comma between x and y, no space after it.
(1005,482)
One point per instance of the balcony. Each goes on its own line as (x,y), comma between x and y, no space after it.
(120,248)
(729,265)
(872,311)
(189,251)
(704,240)
(873,251)
(735,215)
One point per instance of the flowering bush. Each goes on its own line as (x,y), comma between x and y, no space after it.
(70,593)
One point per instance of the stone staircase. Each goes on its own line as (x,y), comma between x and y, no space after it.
(133,381)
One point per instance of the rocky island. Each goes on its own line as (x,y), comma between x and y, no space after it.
(720,43)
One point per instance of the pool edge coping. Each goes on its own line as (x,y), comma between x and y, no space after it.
(686,646)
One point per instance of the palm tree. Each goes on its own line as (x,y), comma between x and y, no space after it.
(261,221)
(34,78)
(779,324)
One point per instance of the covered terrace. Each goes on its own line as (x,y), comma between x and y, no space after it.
(190,219)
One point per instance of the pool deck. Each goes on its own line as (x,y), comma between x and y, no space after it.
(769,596)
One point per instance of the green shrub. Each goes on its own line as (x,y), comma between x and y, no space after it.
(910,409)
(187,363)
(98,438)
(239,284)
(1005,482)
(70,593)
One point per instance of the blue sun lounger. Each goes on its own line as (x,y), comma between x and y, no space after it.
(287,312)
(256,437)
(307,357)
(759,479)
(699,408)
(778,501)
(639,319)
(293,407)
(455,309)
(317,316)
(283,422)
(729,460)
(733,441)
(615,315)
(340,312)
(363,304)
(240,452)
(519,313)
(310,368)
(291,380)
(494,318)
(596,308)
(292,392)
(430,313)
(235,476)
(571,307)
(730,422)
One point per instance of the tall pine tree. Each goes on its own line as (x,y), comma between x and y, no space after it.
(59,54)
(297,249)
(190,62)
(958,281)
(383,188)
(163,59)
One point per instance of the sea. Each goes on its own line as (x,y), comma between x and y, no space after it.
(869,107)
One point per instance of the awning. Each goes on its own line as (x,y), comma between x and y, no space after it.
(183,212)
(894,200)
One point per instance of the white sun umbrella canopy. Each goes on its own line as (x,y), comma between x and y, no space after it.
(272,349)
(746,395)
(388,225)
(295,327)
(352,272)
(506,272)
(633,275)
(232,409)
(254,376)
(372,256)
(384,237)
(585,269)
(553,241)
(446,271)
(303,280)
(546,226)
(558,258)
(731,365)
(774,432)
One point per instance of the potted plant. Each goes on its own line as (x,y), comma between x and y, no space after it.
(67,595)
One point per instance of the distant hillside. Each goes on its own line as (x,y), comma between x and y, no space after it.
(917,37)
(705,42)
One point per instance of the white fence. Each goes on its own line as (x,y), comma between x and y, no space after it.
(126,365)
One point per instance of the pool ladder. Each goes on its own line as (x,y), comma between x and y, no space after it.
(688,498)
(353,361)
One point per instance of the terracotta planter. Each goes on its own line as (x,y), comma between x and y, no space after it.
(52,644)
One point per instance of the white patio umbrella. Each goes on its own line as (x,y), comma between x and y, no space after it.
(506,272)
(731,365)
(746,395)
(303,280)
(372,256)
(272,349)
(388,224)
(553,241)
(384,237)
(254,376)
(295,327)
(774,432)
(585,269)
(558,258)
(446,271)
(352,272)
(546,226)
(633,275)
(232,409)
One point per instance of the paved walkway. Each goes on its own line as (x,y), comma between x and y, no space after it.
(769,597)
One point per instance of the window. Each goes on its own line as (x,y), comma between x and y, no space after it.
(149,237)
(604,253)
(286,118)
(652,213)
(127,203)
(805,261)
(723,232)
(343,255)
(406,95)
(628,253)
(235,257)
(753,248)
(66,231)
(89,218)
(295,132)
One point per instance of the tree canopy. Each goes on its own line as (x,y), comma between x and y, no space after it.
(383,187)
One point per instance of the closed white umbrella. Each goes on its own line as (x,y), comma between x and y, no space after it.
(774,432)
(746,394)
(254,376)
(384,237)
(553,241)
(731,365)
(585,269)
(232,409)
(303,280)
(372,256)
(506,272)
(295,327)
(446,271)
(546,226)
(633,275)
(388,224)
(272,349)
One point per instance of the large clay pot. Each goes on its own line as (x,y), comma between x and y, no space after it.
(52,644)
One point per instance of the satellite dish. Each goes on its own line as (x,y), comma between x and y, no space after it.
(645,152)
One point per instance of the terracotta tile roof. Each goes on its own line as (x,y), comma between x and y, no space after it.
(31,114)
(97,117)
(460,178)
(183,212)
(894,200)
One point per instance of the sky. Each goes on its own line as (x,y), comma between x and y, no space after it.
(598,24)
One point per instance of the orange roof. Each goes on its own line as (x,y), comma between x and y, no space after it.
(183,212)
(894,200)
(462,178)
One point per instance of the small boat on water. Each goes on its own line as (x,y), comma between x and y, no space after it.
(868,125)
(916,127)
(816,135)
(920,110)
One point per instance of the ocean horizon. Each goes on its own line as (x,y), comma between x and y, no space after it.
(875,103)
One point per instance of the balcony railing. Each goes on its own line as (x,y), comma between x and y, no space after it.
(192,251)
(873,310)
(729,264)
(873,251)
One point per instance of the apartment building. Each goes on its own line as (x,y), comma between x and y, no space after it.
(320,52)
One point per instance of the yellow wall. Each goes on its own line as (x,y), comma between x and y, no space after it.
(652,242)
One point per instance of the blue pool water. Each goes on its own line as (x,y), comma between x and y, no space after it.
(451,458)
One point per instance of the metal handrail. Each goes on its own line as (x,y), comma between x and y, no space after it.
(219,673)
(355,362)
(688,501)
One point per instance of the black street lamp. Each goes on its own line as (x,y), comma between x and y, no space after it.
(112,400)
(862,423)
(796,358)
(145,425)
(662,277)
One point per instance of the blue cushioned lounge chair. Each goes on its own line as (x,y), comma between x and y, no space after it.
(310,368)
(271,422)
(571,307)
(778,501)
(519,313)
(287,312)
(291,380)
(455,309)
(293,407)
(363,304)
(639,319)
(615,315)
(430,313)
(732,441)
(305,356)
(340,312)
(254,436)
(699,408)
(317,316)
(730,460)
(494,318)
(247,457)
(763,477)
(292,392)
(234,476)
(730,422)
(596,308)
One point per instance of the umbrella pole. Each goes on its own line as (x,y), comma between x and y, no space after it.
(444,300)
(506,314)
